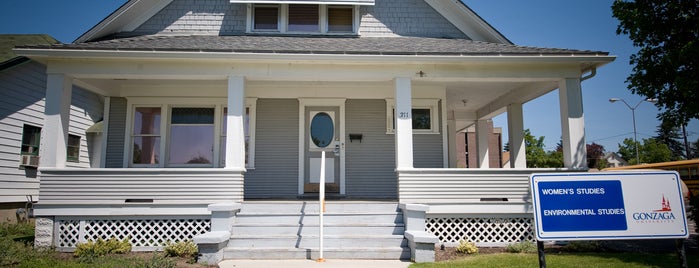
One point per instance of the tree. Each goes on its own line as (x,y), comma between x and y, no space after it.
(595,153)
(650,151)
(537,157)
(670,136)
(665,67)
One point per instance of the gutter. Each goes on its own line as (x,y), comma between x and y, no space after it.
(303,57)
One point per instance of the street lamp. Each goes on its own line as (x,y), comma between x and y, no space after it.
(633,115)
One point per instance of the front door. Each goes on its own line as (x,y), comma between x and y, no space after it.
(322,134)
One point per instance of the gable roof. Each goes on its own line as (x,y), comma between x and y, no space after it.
(8,58)
(135,12)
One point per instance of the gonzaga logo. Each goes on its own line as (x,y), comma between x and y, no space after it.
(664,214)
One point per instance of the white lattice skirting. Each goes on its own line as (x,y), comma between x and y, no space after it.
(488,232)
(144,234)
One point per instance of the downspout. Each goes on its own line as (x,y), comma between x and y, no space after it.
(593,72)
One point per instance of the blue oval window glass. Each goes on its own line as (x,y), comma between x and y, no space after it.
(322,130)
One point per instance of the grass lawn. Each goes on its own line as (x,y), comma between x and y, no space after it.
(563,260)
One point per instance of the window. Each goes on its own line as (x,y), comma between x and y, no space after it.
(191,136)
(73,148)
(194,133)
(31,138)
(302,18)
(340,19)
(423,114)
(266,18)
(146,135)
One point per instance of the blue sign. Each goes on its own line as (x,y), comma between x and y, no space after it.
(582,206)
(608,205)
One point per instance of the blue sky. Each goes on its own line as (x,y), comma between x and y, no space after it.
(542,23)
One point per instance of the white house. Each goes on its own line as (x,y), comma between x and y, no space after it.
(216,113)
(22,91)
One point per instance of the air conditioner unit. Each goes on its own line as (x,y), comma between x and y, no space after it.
(29,161)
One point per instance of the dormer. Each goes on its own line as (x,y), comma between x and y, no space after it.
(303,17)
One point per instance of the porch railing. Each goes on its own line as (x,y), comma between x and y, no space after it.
(138,185)
(466,186)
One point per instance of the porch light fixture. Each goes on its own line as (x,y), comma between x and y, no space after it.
(633,116)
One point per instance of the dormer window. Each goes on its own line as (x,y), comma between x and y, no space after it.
(303,19)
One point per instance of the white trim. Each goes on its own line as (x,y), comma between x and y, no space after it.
(303,102)
(251,103)
(431,104)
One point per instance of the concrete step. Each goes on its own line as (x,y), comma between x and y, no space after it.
(309,207)
(312,229)
(329,218)
(392,253)
(330,241)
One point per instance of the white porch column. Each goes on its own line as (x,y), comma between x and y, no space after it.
(515,131)
(482,140)
(451,136)
(54,134)
(404,123)
(235,132)
(572,123)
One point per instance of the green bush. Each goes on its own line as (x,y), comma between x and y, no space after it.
(522,247)
(466,247)
(89,251)
(8,229)
(184,249)
(583,246)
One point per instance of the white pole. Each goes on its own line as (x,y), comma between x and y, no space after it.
(321,204)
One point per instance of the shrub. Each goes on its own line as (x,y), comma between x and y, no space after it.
(583,246)
(522,247)
(183,249)
(91,250)
(466,247)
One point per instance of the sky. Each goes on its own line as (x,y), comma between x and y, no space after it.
(576,24)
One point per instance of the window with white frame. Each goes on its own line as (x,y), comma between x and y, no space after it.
(303,19)
(424,114)
(73,148)
(193,131)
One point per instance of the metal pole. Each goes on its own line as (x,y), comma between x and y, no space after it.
(681,253)
(635,140)
(321,206)
(542,255)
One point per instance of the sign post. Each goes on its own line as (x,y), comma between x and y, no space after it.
(608,206)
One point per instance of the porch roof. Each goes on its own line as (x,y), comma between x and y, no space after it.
(317,45)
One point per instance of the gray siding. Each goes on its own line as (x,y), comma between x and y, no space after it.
(22,92)
(197,16)
(405,18)
(276,150)
(427,151)
(115,133)
(370,164)
(386,18)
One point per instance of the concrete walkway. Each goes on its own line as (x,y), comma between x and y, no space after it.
(313,263)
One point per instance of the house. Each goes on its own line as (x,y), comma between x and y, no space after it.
(466,150)
(217,114)
(615,160)
(22,91)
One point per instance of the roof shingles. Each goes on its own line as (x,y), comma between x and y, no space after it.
(315,45)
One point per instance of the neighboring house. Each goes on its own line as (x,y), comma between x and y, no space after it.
(22,92)
(614,160)
(467,150)
(217,113)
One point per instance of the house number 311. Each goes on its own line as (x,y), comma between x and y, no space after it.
(404,115)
